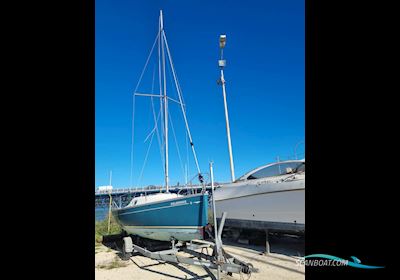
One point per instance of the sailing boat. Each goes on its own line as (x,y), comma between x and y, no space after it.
(166,216)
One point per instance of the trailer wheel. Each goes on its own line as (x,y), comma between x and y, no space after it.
(127,248)
(247,269)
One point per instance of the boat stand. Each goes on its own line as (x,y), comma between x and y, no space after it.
(221,261)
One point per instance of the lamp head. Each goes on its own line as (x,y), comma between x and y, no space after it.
(222,41)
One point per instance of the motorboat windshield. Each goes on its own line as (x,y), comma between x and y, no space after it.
(275,169)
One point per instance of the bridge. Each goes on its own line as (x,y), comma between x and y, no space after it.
(122,196)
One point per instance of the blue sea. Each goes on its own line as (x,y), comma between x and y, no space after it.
(101,213)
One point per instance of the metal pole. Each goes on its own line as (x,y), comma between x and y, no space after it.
(267,247)
(228,131)
(109,206)
(221,226)
(279,166)
(213,204)
(109,212)
(165,103)
(217,244)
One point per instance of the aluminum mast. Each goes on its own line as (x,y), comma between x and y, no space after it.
(165,103)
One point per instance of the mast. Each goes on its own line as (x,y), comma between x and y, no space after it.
(163,51)
(165,99)
(222,63)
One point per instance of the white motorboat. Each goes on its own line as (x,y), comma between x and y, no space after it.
(269,197)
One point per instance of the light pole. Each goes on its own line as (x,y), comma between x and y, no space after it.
(222,64)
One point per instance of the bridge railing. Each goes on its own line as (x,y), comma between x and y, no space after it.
(144,189)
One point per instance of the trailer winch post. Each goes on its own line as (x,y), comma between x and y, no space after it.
(217,241)
(221,227)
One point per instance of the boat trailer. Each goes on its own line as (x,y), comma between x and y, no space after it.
(219,259)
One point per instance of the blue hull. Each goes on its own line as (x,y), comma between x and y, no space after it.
(180,218)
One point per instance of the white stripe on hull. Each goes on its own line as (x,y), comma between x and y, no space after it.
(165,234)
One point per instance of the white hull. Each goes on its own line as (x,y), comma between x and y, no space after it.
(263,201)
(165,234)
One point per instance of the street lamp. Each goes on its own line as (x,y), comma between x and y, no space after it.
(222,41)
(222,64)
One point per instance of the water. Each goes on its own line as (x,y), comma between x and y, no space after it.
(101,213)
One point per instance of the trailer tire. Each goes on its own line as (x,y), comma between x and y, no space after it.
(127,248)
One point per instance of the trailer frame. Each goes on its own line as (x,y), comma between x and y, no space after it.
(220,260)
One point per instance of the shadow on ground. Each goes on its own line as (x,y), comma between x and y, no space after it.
(286,245)
(117,246)
(290,246)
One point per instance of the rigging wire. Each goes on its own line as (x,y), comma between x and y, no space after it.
(158,133)
(147,62)
(160,146)
(145,159)
(173,129)
(133,140)
(182,107)
(163,115)
(151,134)
(187,158)
(133,109)
(176,144)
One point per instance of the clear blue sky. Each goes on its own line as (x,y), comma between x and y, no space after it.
(265,84)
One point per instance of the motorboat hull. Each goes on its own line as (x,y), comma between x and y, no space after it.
(278,206)
(181,218)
